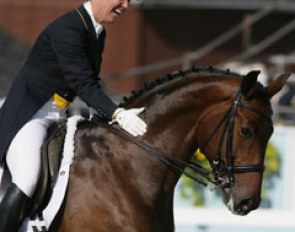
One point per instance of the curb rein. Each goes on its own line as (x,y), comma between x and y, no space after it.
(221,174)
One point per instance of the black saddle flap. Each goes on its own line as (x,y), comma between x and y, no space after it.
(51,156)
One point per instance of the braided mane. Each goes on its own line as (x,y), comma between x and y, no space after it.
(172,76)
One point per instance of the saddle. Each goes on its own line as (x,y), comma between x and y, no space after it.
(51,155)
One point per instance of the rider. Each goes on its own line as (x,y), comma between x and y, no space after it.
(63,63)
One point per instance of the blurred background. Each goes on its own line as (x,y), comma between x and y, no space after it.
(156,37)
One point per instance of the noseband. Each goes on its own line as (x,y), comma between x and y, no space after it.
(224,170)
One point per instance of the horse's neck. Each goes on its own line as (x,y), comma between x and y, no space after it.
(172,116)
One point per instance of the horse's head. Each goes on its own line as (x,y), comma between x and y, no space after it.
(226,115)
(236,145)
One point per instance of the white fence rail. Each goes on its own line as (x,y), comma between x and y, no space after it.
(221,217)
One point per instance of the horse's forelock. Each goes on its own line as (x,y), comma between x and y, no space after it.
(260,93)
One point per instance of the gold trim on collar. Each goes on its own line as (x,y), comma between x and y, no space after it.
(82,18)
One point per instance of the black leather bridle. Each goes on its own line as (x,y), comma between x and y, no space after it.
(222,172)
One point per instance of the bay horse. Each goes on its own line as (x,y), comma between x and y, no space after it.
(124,184)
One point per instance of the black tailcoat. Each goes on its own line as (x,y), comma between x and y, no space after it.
(66,60)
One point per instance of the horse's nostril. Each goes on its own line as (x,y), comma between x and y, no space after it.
(246,205)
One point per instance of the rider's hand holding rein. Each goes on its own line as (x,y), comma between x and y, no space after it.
(129,120)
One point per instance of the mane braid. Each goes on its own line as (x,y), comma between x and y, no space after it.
(172,76)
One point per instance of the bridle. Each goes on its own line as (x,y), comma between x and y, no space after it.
(224,170)
(222,173)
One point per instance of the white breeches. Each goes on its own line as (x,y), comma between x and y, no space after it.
(23,156)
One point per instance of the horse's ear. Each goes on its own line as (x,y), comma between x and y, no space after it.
(248,83)
(277,84)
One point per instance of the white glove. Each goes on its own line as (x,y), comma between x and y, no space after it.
(129,121)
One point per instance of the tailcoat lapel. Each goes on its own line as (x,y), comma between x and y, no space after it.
(96,44)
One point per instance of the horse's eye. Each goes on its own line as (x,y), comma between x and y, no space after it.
(246,132)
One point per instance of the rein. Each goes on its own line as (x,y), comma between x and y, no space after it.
(176,165)
(222,172)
